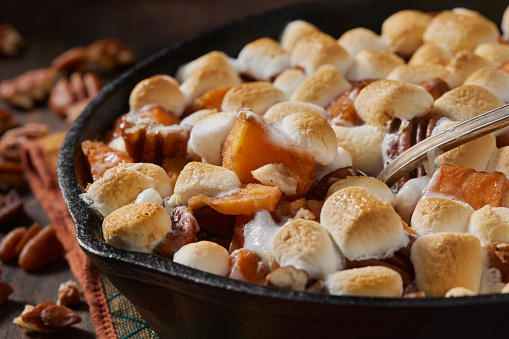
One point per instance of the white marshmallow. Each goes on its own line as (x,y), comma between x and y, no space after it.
(283,109)
(490,224)
(357,39)
(205,256)
(289,80)
(263,59)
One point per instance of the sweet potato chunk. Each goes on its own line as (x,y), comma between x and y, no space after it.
(102,157)
(249,146)
(212,99)
(246,265)
(248,200)
(475,188)
(160,116)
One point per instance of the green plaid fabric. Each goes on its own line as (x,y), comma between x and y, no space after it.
(126,319)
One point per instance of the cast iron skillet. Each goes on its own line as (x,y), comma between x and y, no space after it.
(180,302)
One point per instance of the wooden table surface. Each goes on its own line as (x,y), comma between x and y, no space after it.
(51,27)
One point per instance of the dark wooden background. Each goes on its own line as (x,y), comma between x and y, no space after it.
(50,28)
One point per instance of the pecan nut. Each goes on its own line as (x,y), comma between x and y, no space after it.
(41,250)
(69,294)
(28,88)
(11,141)
(5,291)
(46,318)
(11,175)
(10,40)
(9,243)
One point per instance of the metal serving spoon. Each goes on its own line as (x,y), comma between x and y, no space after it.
(448,139)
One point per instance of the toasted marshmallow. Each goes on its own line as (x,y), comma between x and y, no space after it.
(322,87)
(263,59)
(416,74)
(431,54)
(205,256)
(294,31)
(404,30)
(464,63)
(312,133)
(370,64)
(289,80)
(363,143)
(206,73)
(161,90)
(465,102)
(370,281)
(306,245)
(202,178)
(276,175)
(257,96)
(122,184)
(409,195)
(192,119)
(357,39)
(149,195)
(362,225)
(383,100)
(435,215)
(342,159)
(461,30)
(209,134)
(136,227)
(475,154)
(377,187)
(493,79)
(504,25)
(499,161)
(490,224)
(283,109)
(494,52)
(316,49)
(459,292)
(446,260)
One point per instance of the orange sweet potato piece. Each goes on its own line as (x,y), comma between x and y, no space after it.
(248,146)
(212,99)
(247,200)
(102,157)
(160,116)
(246,265)
(475,188)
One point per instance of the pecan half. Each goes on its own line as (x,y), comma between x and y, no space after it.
(11,205)
(10,40)
(319,190)
(101,56)
(342,111)
(69,294)
(11,141)
(28,88)
(46,318)
(27,236)
(76,91)
(5,291)
(9,243)
(41,250)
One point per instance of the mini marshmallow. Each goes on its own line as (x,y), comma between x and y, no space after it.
(357,39)
(431,54)
(205,256)
(499,161)
(494,52)
(213,70)
(342,159)
(122,184)
(149,195)
(362,225)
(294,31)
(383,100)
(493,79)
(370,64)
(276,175)
(416,74)
(370,281)
(263,59)
(289,80)
(404,30)
(377,187)
(316,49)
(161,90)
(459,292)
(465,102)
(435,215)
(443,261)
(202,178)
(257,96)
(322,87)
(192,119)
(209,134)
(283,109)
(463,64)
(409,195)
(312,133)
(475,154)
(460,29)
(490,224)
(306,245)
(363,143)
(136,227)
(504,25)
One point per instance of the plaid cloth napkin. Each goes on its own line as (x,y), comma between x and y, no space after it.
(112,314)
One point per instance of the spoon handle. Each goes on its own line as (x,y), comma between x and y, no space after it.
(450,138)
